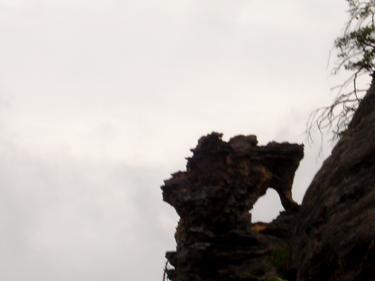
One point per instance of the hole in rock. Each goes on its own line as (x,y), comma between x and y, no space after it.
(267,207)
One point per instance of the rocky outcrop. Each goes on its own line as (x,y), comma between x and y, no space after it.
(330,237)
(215,237)
(335,233)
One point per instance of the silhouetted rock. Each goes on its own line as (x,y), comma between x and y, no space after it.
(335,234)
(330,237)
(215,237)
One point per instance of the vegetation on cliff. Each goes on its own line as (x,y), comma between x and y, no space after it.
(355,53)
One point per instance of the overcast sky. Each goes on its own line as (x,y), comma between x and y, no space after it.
(101,100)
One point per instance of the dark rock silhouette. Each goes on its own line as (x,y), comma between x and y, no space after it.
(335,233)
(330,237)
(213,198)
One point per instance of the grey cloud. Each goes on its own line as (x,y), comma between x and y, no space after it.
(103,100)
(72,216)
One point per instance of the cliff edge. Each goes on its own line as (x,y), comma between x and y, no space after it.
(334,238)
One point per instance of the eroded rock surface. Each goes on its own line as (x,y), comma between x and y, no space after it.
(335,234)
(331,237)
(215,237)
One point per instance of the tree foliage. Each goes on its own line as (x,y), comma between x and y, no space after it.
(355,53)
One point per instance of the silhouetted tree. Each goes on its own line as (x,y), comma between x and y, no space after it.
(355,53)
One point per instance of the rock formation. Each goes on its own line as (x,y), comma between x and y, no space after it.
(213,198)
(335,233)
(330,237)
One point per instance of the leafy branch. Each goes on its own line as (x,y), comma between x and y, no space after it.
(356,53)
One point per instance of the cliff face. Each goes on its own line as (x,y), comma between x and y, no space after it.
(334,237)
(331,236)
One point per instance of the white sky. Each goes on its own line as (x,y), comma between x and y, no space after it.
(101,100)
